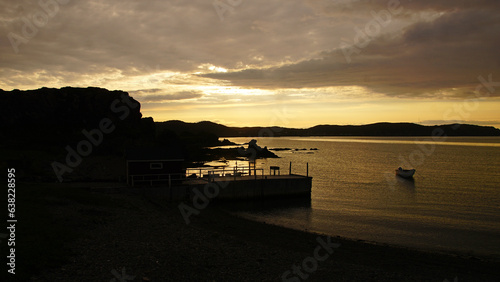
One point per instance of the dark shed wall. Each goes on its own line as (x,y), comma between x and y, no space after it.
(143,167)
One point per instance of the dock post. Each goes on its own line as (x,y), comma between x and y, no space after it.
(307,170)
(290,169)
(127,175)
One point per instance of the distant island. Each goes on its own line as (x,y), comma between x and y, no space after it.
(375,129)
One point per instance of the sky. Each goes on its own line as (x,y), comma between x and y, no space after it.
(293,63)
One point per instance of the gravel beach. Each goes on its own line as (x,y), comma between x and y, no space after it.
(139,239)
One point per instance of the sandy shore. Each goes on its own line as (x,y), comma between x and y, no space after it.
(149,241)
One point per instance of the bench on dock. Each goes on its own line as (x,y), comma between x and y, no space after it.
(274,169)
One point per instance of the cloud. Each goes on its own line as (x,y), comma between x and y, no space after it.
(101,38)
(159,95)
(410,7)
(440,58)
(431,49)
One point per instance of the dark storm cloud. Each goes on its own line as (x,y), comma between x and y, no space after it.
(357,6)
(441,57)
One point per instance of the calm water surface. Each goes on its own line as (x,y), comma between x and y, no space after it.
(452,205)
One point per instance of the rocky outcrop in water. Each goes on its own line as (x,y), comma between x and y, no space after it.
(255,151)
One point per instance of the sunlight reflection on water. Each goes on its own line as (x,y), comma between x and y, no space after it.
(422,140)
(451,205)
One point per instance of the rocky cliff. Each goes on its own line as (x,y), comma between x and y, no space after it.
(58,116)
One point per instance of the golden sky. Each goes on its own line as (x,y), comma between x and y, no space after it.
(293,63)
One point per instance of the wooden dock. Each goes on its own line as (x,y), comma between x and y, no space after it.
(237,185)
(254,187)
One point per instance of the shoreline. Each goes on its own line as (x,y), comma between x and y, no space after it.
(152,242)
(495,258)
(491,257)
(234,208)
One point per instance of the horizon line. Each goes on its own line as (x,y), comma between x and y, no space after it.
(331,124)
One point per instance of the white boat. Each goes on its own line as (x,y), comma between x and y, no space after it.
(405,173)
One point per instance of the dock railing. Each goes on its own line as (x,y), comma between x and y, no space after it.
(224,172)
(208,174)
(237,171)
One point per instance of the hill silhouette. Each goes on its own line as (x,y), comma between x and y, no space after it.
(375,129)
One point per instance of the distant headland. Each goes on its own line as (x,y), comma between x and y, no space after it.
(375,129)
(49,112)
(43,127)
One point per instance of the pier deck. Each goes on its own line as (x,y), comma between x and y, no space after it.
(196,181)
(253,187)
(236,184)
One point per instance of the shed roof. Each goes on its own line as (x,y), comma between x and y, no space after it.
(154,153)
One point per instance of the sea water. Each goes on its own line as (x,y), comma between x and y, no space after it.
(452,205)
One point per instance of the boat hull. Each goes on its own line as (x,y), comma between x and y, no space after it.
(405,173)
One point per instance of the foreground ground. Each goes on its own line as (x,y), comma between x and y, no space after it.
(74,233)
